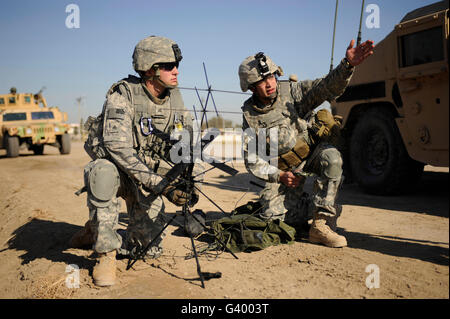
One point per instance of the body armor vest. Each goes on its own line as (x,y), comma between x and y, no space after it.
(146,115)
(292,130)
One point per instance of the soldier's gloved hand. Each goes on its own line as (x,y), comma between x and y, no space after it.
(176,195)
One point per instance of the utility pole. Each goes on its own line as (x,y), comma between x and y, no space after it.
(80,114)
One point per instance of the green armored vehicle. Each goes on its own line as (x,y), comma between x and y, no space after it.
(396,108)
(27,121)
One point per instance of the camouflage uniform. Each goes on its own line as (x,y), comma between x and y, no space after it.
(290,115)
(128,160)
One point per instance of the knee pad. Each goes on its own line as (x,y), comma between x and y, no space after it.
(103,181)
(331,163)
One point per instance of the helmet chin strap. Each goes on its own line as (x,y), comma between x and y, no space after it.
(167,86)
(156,78)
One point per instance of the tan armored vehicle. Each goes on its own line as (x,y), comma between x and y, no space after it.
(27,121)
(395,109)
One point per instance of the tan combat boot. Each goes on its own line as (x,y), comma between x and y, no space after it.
(84,237)
(104,273)
(321,233)
(332,221)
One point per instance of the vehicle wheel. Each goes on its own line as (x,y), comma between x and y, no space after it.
(12,146)
(38,149)
(64,144)
(379,161)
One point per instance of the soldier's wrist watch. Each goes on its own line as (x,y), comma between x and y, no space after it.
(347,64)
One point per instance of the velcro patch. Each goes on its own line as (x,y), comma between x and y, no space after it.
(116,113)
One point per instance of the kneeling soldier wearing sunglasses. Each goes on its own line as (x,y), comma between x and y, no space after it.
(127,157)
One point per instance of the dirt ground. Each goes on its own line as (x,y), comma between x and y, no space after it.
(403,239)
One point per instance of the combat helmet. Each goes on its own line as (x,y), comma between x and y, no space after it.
(255,68)
(153,50)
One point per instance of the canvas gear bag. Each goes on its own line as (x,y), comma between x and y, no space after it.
(244,232)
(194,226)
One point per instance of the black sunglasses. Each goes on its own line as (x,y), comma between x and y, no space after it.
(168,66)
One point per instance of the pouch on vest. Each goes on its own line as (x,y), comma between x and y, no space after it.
(295,156)
(326,128)
(94,144)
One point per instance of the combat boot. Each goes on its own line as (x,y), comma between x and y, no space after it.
(84,237)
(104,273)
(321,233)
(332,221)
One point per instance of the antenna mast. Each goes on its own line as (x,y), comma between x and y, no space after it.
(334,33)
(358,41)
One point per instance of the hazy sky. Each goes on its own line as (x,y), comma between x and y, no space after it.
(37,49)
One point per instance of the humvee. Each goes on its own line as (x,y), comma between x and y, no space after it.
(395,109)
(27,121)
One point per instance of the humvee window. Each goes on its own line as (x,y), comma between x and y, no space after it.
(42,115)
(27,99)
(12,100)
(2,100)
(422,47)
(14,117)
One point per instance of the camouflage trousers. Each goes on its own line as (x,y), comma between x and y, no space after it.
(293,205)
(105,186)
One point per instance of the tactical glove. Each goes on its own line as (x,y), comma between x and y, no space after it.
(176,196)
(179,196)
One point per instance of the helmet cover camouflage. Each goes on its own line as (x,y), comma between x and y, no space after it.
(255,68)
(153,50)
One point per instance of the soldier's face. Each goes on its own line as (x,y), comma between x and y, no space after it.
(266,89)
(168,73)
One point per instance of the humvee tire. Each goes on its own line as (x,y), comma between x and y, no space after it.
(379,161)
(12,146)
(65,145)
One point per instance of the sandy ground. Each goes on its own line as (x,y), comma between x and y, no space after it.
(404,240)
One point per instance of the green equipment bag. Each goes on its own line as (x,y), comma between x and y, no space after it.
(243,232)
